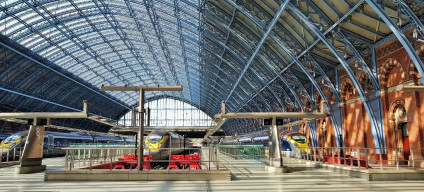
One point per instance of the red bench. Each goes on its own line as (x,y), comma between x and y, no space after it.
(337,160)
(177,161)
(130,160)
(194,161)
(121,164)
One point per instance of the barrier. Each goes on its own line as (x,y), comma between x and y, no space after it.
(368,158)
(125,158)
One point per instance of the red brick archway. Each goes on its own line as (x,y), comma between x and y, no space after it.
(387,67)
(347,89)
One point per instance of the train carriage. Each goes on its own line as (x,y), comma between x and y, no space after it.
(55,141)
(161,144)
(293,143)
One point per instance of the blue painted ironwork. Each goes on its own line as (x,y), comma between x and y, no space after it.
(258,46)
(376,128)
(59,73)
(241,60)
(311,45)
(159,34)
(402,38)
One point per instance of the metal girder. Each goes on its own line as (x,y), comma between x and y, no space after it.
(45,114)
(71,37)
(34,115)
(401,37)
(60,73)
(240,60)
(344,39)
(159,34)
(311,45)
(405,8)
(377,128)
(254,71)
(303,68)
(326,78)
(321,114)
(87,20)
(128,44)
(176,12)
(36,98)
(258,46)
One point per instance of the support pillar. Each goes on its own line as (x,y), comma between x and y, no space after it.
(133,117)
(148,116)
(276,158)
(141,131)
(32,155)
(275,148)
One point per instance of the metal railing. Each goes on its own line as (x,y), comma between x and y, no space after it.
(375,158)
(107,158)
(100,145)
(243,151)
(10,154)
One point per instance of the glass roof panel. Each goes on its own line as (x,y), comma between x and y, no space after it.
(99,41)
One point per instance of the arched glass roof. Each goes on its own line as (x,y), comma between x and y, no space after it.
(113,42)
(256,55)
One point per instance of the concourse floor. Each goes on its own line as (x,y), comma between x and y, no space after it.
(247,175)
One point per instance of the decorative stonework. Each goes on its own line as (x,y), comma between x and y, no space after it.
(347,89)
(395,108)
(413,72)
(387,67)
(364,80)
(388,49)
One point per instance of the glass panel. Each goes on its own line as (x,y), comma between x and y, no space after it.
(171,112)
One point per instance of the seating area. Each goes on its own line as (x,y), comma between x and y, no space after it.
(177,162)
(350,160)
(184,161)
(130,162)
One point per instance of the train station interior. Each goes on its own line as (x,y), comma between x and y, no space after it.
(211,95)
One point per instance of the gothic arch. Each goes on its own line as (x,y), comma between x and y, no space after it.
(347,89)
(364,80)
(387,67)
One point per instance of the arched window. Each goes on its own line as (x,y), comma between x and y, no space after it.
(170,112)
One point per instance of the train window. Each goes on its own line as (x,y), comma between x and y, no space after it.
(299,138)
(11,139)
(154,138)
(285,146)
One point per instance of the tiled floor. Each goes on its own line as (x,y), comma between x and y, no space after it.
(247,176)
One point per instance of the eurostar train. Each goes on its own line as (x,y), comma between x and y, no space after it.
(292,142)
(55,141)
(161,144)
(3,136)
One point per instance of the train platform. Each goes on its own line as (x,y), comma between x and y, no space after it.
(7,164)
(374,173)
(247,175)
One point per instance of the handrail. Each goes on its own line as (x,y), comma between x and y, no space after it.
(359,157)
(112,158)
(11,155)
(364,157)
